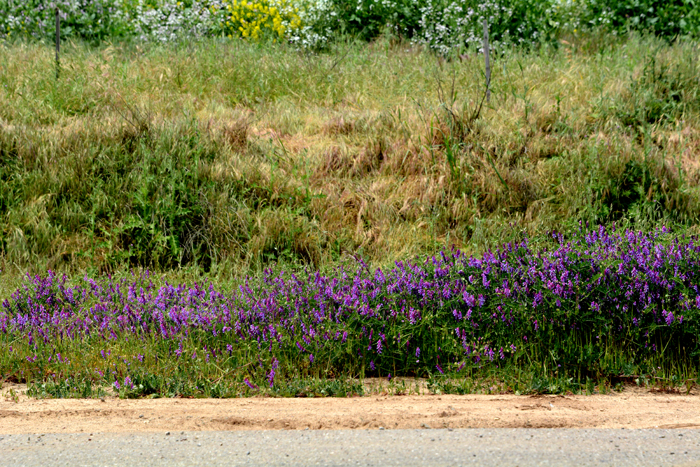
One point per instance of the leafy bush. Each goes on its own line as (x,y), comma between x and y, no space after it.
(367,19)
(666,18)
(447,24)
(442,25)
(168,21)
(85,19)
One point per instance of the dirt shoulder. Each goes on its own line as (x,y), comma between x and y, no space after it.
(628,409)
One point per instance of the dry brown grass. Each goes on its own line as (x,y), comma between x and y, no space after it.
(353,160)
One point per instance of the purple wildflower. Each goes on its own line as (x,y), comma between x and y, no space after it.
(249,384)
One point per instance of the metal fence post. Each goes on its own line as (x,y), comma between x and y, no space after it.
(58,43)
(486,59)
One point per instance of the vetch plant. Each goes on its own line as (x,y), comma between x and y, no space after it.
(596,303)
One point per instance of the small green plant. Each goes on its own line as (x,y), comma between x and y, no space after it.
(69,388)
(13,395)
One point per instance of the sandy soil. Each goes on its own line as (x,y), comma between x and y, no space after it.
(628,409)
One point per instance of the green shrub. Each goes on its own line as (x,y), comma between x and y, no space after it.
(666,18)
(448,24)
(367,19)
(442,25)
(92,20)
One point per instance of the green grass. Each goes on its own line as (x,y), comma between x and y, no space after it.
(228,157)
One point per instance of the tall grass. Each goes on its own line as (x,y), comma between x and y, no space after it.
(228,156)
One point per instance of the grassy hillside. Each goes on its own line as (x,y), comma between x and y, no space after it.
(231,156)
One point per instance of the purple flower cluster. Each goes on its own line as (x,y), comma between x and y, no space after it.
(636,291)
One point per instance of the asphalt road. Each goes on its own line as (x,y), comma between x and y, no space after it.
(425,447)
